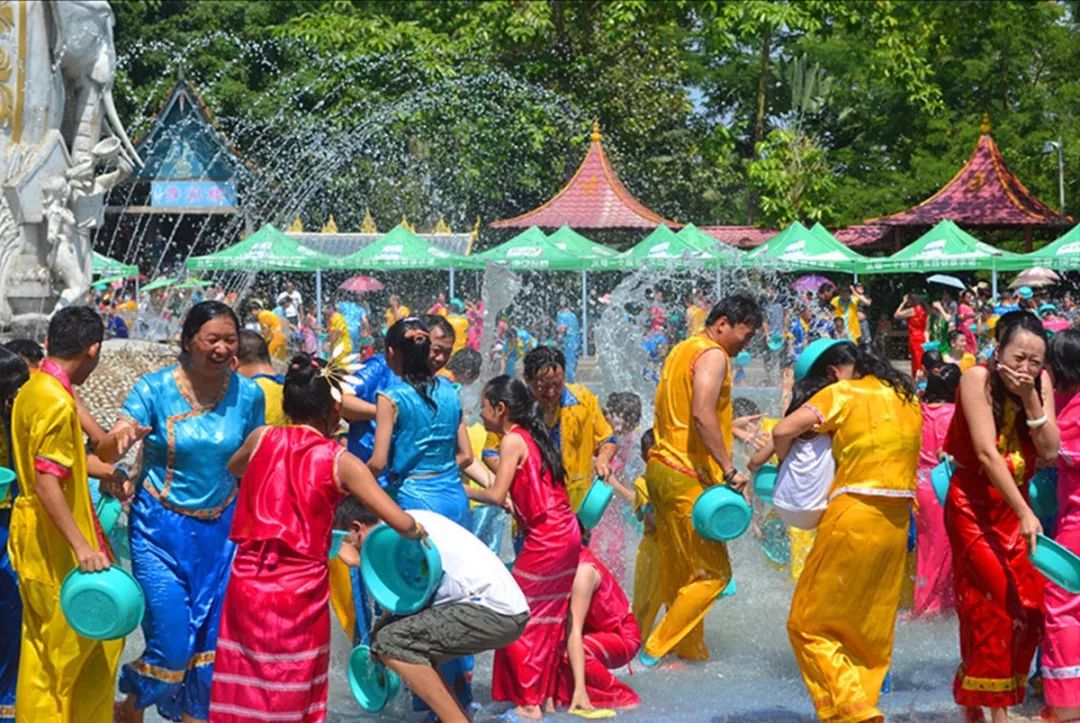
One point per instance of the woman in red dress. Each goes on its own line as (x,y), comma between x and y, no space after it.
(530,470)
(917,313)
(1004,421)
(273,651)
(603,635)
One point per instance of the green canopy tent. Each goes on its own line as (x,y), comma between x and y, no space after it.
(102,265)
(569,240)
(1062,253)
(948,247)
(664,248)
(531,250)
(402,250)
(722,255)
(268,249)
(797,248)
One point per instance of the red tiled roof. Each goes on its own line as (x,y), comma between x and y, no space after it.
(861,235)
(983,193)
(745,237)
(593,198)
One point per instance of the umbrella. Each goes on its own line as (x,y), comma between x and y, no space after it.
(160,283)
(810,282)
(361,284)
(1035,276)
(946,280)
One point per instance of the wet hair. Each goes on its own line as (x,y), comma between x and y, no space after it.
(199,315)
(350,510)
(954,334)
(465,365)
(931,360)
(867,363)
(73,330)
(252,348)
(437,321)
(648,439)
(1008,326)
(409,339)
(737,309)
(743,407)
(626,407)
(13,374)
(28,349)
(941,384)
(541,359)
(918,300)
(306,397)
(1063,358)
(525,411)
(804,389)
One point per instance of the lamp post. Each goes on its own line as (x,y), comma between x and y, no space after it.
(1050,147)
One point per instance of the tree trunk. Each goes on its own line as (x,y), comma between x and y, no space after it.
(759,116)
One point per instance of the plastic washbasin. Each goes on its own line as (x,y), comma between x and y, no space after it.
(594,504)
(105,605)
(721,514)
(372,683)
(400,574)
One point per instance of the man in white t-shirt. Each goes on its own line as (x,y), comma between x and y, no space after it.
(293,313)
(477,607)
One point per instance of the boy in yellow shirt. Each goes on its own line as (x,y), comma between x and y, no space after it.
(646,598)
(63,676)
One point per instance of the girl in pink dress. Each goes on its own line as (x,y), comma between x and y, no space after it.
(933,556)
(1061,646)
(531,471)
(273,651)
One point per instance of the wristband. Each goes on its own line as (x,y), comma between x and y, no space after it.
(1036,423)
(729,476)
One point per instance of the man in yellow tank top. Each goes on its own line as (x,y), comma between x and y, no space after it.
(693,426)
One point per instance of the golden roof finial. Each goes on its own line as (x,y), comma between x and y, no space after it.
(407,225)
(595,137)
(442,226)
(472,238)
(368,226)
(330,226)
(984,127)
(297,226)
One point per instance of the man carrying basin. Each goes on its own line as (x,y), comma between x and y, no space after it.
(575,422)
(477,606)
(694,429)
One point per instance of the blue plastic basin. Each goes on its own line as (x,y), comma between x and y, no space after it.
(595,503)
(765,483)
(372,683)
(1058,564)
(105,605)
(721,514)
(400,574)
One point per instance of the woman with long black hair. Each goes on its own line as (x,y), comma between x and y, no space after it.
(531,471)
(1004,421)
(843,613)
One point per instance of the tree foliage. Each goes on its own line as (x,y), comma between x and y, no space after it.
(711,110)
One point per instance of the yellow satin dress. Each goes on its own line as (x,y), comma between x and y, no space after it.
(273,331)
(694,571)
(63,676)
(843,612)
(646,592)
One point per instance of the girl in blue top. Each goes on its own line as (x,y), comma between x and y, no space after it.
(420,434)
(420,437)
(192,417)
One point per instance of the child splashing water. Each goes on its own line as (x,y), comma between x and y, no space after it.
(530,470)
(275,605)
(610,540)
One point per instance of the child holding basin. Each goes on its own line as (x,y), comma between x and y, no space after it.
(476,607)
(530,470)
(275,607)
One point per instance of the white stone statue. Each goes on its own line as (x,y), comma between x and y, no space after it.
(57,67)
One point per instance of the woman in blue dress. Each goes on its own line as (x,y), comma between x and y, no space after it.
(192,417)
(13,373)
(420,437)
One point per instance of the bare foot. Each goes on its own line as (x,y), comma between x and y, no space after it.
(529,712)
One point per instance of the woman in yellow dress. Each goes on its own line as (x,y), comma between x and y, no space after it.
(843,612)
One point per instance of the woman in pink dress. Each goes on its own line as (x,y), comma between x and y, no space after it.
(1061,646)
(531,471)
(273,651)
(933,556)
(965,319)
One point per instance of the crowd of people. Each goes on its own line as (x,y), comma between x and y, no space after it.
(263,440)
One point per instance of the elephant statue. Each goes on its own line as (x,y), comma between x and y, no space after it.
(81,40)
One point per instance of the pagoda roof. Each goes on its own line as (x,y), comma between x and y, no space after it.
(594,197)
(983,193)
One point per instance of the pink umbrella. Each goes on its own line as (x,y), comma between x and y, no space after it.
(361,284)
(811,282)
(1035,276)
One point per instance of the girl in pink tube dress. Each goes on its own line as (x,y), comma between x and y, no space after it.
(1061,645)
(933,555)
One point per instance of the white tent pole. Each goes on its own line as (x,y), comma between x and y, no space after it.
(584,313)
(318,297)
(452,294)
(994,281)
